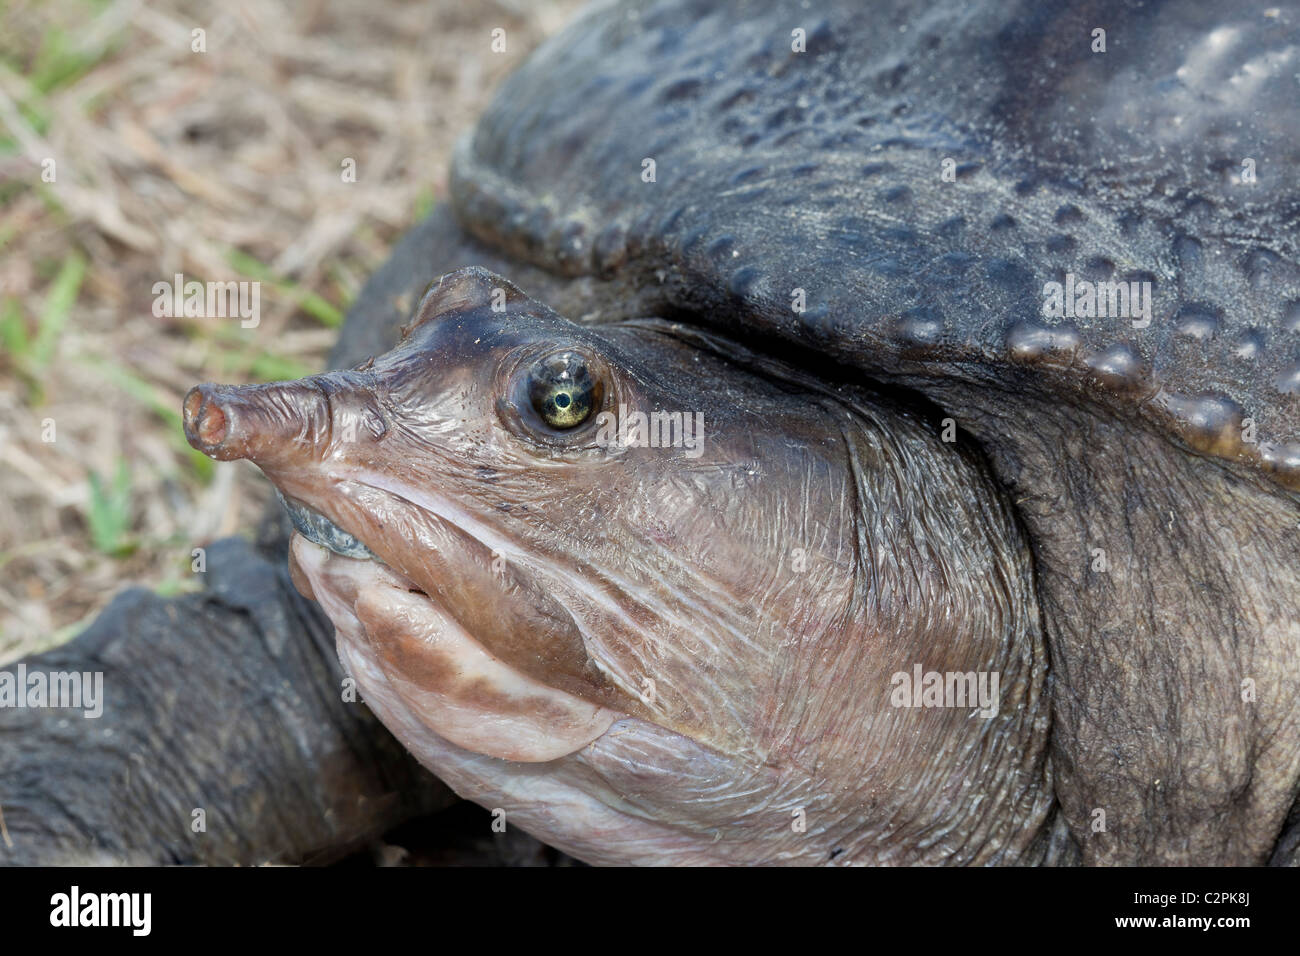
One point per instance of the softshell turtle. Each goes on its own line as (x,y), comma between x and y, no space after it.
(961,521)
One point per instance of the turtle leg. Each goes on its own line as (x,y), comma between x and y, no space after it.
(1286,852)
(223,736)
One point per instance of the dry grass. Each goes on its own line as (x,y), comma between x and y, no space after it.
(221,165)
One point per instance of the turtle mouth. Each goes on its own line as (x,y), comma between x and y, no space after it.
(429,671)
(315,527)
(430,622)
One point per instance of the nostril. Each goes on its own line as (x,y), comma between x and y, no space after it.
(204,419)
(212,426)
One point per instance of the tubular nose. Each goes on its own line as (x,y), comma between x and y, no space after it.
(279,424)
(267,424)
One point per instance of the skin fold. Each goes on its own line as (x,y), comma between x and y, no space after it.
(654,654)
(1155,469)
(649,654)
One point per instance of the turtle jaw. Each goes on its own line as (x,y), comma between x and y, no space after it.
(443,677)
(317,528)
(448,677)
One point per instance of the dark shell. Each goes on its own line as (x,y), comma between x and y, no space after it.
(823,171)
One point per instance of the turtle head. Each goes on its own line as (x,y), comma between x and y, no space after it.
(525,517)
(627,583)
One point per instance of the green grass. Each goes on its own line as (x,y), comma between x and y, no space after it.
(58,309)
(145,393)
(9,189)
(52,204)
(13,330)
(58,64)
(237,361)
(234,358)
(423,203)
(109,512)
(268,367)
(314,305)
(36,115)
(7,230)
(31,355)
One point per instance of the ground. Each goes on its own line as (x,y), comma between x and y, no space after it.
(222,156)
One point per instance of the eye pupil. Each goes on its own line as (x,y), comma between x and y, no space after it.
(563,391)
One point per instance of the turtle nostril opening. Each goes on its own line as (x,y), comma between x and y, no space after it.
(212,426)
(204,419)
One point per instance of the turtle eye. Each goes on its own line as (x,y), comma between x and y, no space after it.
(563,391)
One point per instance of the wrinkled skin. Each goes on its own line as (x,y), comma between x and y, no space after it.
(225,700)
(768,587)
(820,171)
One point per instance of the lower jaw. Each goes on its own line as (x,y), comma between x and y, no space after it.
(314,526)
(342,569)
(446,678)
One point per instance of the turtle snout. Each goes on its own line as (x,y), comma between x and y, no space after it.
(205,421)
(263,423)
